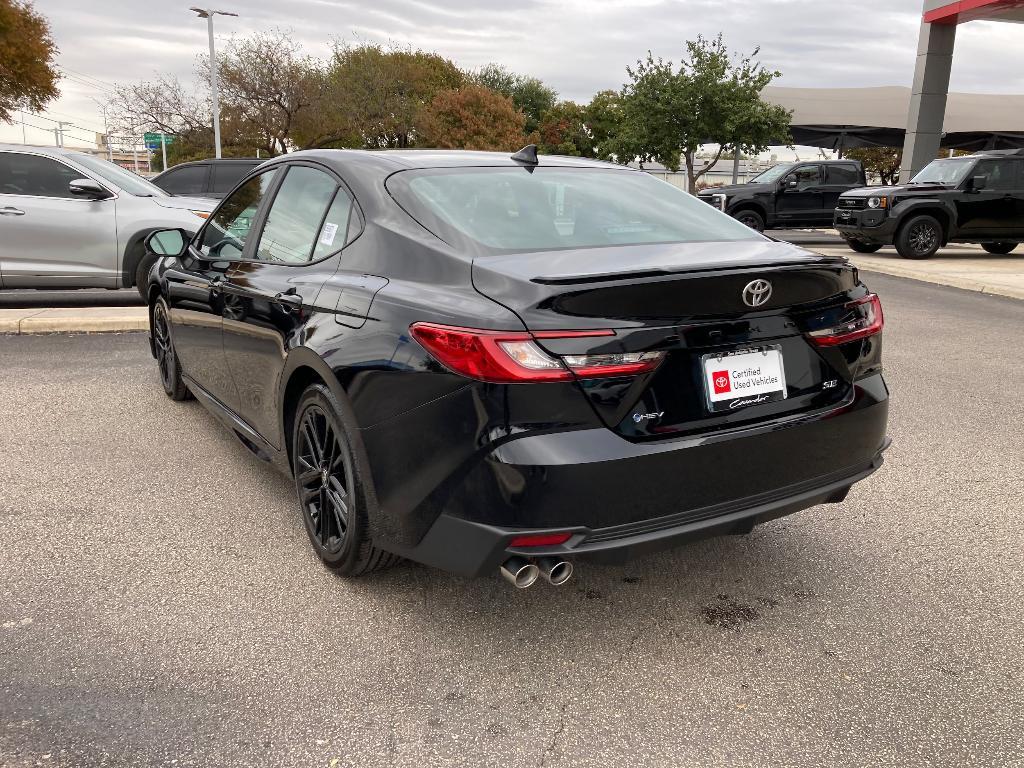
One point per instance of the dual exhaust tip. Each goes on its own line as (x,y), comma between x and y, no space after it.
(523,573)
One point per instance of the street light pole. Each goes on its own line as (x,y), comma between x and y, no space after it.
(208,14)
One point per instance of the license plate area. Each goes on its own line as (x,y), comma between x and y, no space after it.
(743,377)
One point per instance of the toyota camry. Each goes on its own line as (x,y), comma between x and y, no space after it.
(514,364)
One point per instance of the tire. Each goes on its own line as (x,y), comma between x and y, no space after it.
(1000,249)
(919,238)
(751,218)
(329,488)
(166,357)
(142,275)
(861,247)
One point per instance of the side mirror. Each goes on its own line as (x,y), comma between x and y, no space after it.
(977,183)
(792,184)
(168,242)
(88,188)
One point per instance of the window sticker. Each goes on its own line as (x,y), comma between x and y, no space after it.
(327,236)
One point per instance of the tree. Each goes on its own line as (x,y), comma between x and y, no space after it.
(266,82)
(711,98)
(881,161)
(379,95)
(528,93)
(563,130)
(603,117)
(28,74)
(472,117)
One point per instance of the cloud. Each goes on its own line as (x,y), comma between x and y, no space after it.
(576,46)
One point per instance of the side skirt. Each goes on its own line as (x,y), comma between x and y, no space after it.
(248,436)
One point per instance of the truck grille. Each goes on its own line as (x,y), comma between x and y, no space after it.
(856,203)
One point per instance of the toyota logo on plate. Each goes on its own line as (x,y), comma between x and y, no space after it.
(757,292)
(721,381)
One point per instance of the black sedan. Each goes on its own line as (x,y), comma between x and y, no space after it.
(487,362)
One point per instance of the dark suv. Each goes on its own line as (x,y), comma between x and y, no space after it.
(206,178)
(973,199)
(789,195)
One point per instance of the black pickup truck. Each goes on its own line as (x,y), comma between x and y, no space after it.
(974,199)
(789,195)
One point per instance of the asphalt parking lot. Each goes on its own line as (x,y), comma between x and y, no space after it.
(160,604)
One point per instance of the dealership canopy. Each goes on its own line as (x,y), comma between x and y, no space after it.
(841,118)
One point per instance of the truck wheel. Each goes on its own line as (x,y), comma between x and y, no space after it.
(861,247)
(999,248)
(919,238)
(752,219)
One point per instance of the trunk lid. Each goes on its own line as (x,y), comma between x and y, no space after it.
(687,301)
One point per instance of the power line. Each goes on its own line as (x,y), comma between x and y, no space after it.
(87,84)
(42,116)
(88,77)
(95,81)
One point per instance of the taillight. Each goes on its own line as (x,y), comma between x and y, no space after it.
(863,318)
(512,357)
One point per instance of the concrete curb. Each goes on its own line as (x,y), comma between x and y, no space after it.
(73,320)
(1008,281)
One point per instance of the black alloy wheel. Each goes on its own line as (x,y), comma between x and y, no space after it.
(323,476)
(752,219)
(861,247)
(327,482)
(919,238)
(166,357)
(1000,249)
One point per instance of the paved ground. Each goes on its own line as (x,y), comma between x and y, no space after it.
(159,603)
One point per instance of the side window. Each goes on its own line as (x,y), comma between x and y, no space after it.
(226,175)
(294,221)
(189,180)
(1000,174)
(806,177)
(841,174)
(22,174)
(227,230)
(334,231)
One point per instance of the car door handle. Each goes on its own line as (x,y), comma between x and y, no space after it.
(11,211)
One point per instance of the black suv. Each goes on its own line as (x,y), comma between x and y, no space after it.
(206,178)
(973,199)
(789,195)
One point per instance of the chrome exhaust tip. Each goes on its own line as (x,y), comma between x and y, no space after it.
(520,572)
(555,570)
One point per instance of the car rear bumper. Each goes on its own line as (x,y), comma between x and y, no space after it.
(869,226)
(620,499)
(473,549)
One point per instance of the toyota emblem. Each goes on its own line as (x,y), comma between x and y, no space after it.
(757,292)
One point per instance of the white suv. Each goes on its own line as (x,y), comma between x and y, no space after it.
(72,220)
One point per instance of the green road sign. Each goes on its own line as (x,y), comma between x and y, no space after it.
(152,140)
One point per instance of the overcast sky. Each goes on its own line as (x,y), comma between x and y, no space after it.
(576,46)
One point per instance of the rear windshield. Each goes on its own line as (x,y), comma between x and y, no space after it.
(488,210)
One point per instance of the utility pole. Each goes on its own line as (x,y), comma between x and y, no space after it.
(208,14)
(56,136)
(59,131)
(23,139)
(163,149)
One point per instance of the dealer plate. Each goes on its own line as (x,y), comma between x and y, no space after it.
(745,377)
